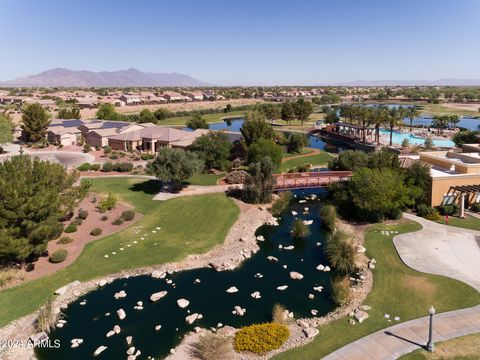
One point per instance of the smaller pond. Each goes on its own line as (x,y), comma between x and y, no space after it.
(89,322)
(398,137)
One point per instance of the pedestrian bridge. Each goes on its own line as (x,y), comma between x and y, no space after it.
(309,180)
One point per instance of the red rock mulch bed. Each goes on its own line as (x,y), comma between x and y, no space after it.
(81,237)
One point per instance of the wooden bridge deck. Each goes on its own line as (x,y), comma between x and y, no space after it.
(309,180)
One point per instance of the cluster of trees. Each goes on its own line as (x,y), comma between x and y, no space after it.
(327,99)
(379,188)
(197,122)
(72,112)
(299,110)
(6,128)
(441,122)
(33,205)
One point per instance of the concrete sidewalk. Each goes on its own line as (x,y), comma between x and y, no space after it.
(436,249)
(400,339)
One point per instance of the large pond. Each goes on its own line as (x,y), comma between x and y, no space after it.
(209,297)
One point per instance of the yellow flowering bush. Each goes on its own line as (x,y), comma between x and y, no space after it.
(259,338)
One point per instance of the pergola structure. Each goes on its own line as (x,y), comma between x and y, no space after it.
(353,130)
(467,194)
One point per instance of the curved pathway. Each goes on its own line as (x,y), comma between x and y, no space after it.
(436,249)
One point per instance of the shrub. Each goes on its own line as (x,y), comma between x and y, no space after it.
(82,214)
(118,221)
(84,167)
(107,150)
(107,167)
(212,347)
(127,215)
(328,213)
(395,214)
(87,148)
(47,317)
(104,218)
(405,143)
(95,167)
(299,229)
(341,292)
(451,209)
(260,338)
(70,229)
(64,240)
(147,156)
(7,274)
(434,215)
(279,314)
(475,207)
(108,203)
(96,231)
(340,252)
(123,167)
(76,222)
(281,203)
(113,156)
(58,256)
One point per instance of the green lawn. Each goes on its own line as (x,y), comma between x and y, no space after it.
(469,222)
(439,109)
(192,224)
(205,179)
(397,290)
(210,118)
(461,348)
(316,159)
(304,151)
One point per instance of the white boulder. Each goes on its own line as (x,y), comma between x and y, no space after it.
(121,314)
(157,296)
(182,303)
(232,290)
(99,350)
(295,275)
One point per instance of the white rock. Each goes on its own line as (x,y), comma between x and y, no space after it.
(157,274)
(157,296)
(320,267)
(272,258)
(59,325)
(232,290)
(120,294)
(158,327)
(396,318)
(280,246)
(260,238)
(99,350)
(307,222)
(131,350)
(310,332)
(291,247)
(361,249)
(318,288)
(182,303)
(121,314)
(102,283)
(295,275)
(311,296)
(294,213)
(302,201)
(197,281)
(314,312)
(110,333)
(117,329)
(319,243)
(284,266)
(281,288)
(191,318)
(129,340)
(360,315)
(256,295)
(237,310)
(387,316)
(327,268)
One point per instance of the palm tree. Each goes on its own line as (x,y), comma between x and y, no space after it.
(453,120)
(378,116)
(411,113)
(439,122)
(394,119)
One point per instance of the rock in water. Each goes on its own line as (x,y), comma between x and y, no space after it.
(182,303)
(99,350)
(272,258)
(121,314)
(283,287)
(120,294)
(157,296)
(191,318)
(295,275)
(232,290)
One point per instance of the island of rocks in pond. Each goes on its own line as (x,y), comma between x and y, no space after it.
(147,316)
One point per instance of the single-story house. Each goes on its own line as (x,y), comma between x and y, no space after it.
(195,95)
(173,96)
(130,99)
(64,136)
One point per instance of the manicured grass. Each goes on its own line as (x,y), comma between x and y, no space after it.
(439,109)
(192,224)
(397,290)
(205,179)
(469,222)
(316,159)
(461,348)
(210,118)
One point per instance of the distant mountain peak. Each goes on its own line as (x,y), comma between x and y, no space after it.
(63,77)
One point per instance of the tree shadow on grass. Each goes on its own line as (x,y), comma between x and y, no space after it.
(149,187)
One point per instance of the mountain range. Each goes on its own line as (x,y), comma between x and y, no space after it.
(61,77)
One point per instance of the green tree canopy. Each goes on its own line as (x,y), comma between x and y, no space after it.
(197,122)
(255,128)
(349,160)
(35,121)
(6,135)
(107,112)
(265,148)
(162,114)
(32,205)
(465,137)
(214,148)
(146,116)
(303,109)
(176,166)
(296,142)
(287,112)
(69,113)
(259,183)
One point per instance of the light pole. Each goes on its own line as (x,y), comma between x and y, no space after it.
(430,345)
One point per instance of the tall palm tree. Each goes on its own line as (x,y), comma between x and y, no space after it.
(393,120)
(412,113)
(377,118)
(439,122)
(453,120)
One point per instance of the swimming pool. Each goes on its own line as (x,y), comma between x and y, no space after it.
(398,137)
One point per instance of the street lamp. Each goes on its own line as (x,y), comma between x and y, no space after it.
(430,345)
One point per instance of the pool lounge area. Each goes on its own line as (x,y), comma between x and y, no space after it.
(398,137)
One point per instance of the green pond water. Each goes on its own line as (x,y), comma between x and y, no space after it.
(208,298)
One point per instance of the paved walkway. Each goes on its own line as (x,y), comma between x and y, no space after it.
(436,249)
(195,190)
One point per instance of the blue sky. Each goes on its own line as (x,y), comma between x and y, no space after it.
(246,42)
